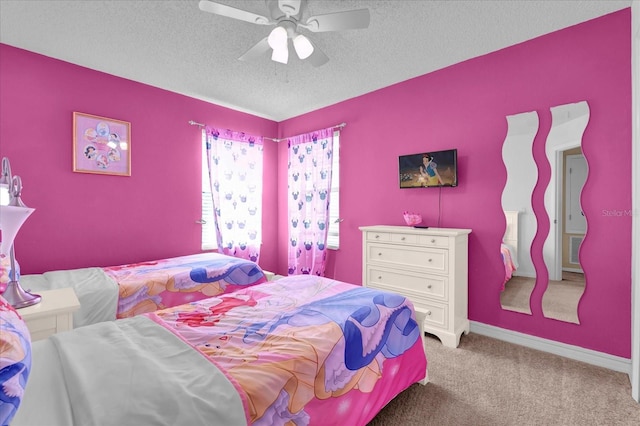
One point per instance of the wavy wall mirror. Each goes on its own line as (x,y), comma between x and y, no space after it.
(568,224)
(521,223)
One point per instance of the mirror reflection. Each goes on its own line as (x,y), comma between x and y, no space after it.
(568,225)
(521,224)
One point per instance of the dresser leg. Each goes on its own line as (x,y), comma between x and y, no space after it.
(449,340)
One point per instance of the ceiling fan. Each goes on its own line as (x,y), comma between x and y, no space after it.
(287,16)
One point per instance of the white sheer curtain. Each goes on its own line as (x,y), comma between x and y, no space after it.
(235,173)
(310,160)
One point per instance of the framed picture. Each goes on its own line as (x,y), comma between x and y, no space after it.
(101,145)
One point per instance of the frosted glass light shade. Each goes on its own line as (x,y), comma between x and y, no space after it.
(280,55)
(303,46)
(11,220)
(277,38)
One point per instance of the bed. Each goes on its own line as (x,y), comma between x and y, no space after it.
(299,350)
(127,290)
(509,246)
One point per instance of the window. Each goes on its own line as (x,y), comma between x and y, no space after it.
(209,241)
(333,235)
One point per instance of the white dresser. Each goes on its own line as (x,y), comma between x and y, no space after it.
(429,266)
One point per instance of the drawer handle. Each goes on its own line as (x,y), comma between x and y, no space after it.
(379,277)
(379,254)
(428,313)
(429,286)
(433,241)
(403,238)
(377,236)
(430,260)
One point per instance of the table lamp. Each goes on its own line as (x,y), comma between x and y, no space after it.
(13,213)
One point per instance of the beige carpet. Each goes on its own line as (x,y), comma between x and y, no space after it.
(489,382)
(516,294)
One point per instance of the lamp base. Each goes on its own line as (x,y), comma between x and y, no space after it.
(18,298)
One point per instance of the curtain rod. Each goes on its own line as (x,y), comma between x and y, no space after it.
(337,126)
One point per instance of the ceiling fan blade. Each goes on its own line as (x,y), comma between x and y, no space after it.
(258,50)
(338,21)
(317,58)
(232,12)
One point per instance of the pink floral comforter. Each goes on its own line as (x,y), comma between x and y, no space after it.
(305,349)
(509,265)
(149,286)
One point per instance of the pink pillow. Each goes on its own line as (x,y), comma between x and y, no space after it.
(15,360)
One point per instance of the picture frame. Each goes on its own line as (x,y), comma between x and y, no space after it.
(101,145)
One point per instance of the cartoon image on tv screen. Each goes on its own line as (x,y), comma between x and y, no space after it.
(428,169)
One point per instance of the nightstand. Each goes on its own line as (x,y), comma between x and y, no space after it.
(52,315)
(269,275)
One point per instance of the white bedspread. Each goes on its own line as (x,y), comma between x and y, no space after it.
(96,292)
(87,377)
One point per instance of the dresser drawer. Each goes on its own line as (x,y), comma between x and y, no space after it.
(412,285)
(404,238)
(416,258)
(378,236)
(435,315)
(433,241)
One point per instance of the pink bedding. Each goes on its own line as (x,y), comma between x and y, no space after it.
(306,349)
(149,286)
(509,265)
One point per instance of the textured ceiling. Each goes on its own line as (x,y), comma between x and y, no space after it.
(175,46)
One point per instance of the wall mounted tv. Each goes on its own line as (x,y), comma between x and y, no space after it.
(429,169)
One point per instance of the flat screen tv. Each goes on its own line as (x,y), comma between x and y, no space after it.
(429,169)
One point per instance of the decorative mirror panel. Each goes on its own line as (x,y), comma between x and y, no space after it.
(521,223)
(568,224)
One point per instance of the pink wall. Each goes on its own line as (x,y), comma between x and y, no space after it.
(96,220)
(92,220)
(464,106)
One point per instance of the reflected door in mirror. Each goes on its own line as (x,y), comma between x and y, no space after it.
(568,224)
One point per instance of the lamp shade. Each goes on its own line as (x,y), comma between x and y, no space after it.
(11,219)
(5,198)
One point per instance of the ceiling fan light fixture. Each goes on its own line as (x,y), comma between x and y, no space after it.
(281,55)
(278,38)
(288,16)
(303,46)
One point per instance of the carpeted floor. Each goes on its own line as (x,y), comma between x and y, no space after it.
(490,382)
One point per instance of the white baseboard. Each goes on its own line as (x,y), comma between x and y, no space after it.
(577,353)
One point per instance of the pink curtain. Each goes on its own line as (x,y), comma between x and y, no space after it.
(235,174)
(309,190)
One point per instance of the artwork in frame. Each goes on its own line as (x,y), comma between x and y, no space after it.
(101,145)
